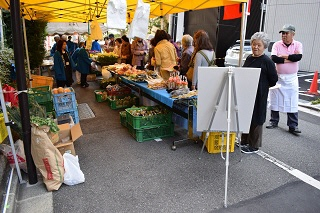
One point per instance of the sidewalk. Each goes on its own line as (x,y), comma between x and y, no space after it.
(35,198)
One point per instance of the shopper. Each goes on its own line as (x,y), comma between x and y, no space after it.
(201,43)
(165,54)
(63,65)
(139,50)
(268,78)
(188,48)
(117,49)
(83,64)
(286,53)
(126,56)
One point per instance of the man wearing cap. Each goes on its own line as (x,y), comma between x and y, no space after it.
(286,53)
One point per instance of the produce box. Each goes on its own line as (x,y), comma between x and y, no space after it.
(101,95)
(117,90)
(214,142)
(91,77)
(67,136)
(74,114)
(65,101)
(40,94)
(120,102)
(123,118)
(151,133)
(150,116)
(38,80)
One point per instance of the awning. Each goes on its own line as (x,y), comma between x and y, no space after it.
(69,28)
(85,10)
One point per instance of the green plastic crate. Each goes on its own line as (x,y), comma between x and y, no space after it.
(40,94)
(101,97)
(122,102)
(137,122)
(48,105)
(146,134)
(123,118)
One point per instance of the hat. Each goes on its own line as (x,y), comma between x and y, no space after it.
(287,28)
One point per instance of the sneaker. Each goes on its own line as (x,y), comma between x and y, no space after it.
(248,149)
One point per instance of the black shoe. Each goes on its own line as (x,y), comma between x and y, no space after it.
(294,131)
(86,84)
(249,150)
(272,126)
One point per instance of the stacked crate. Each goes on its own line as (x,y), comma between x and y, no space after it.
(66,103)
(43,96)
(149,126)
(122,98)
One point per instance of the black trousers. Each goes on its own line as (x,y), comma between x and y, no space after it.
(292,118)
(83,79)
(61,83)
(254,138)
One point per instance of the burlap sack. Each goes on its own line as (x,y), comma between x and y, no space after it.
(47,158)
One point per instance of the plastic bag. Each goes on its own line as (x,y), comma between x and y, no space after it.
(18,146)
(73,175)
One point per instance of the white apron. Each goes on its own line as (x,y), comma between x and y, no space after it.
(285,98)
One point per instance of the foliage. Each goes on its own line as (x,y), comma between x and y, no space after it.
(15,116)
(37,35)
(156,22)
(36,31)
(6,60)
(107,58)
(315,102)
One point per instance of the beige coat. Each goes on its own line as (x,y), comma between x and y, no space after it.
(165,57)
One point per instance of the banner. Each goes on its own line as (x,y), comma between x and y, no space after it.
(116,14)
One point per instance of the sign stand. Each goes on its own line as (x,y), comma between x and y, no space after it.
(225,103)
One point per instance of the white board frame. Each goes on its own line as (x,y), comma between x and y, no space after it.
(210,80)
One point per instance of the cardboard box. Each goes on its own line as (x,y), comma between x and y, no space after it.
(66,148)
(67,136)
(91,77)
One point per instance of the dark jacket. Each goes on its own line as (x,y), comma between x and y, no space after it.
(59,67)
(82,60)
(268,78)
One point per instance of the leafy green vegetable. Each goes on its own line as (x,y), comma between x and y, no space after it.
(45,122)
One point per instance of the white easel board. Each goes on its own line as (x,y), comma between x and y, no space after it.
(210,80)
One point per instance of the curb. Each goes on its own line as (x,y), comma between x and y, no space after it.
(309,106)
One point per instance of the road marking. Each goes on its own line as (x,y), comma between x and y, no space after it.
(300,75)
(295,172)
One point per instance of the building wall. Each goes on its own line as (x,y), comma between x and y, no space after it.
(305,16)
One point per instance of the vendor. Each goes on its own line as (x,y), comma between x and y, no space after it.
(165,54)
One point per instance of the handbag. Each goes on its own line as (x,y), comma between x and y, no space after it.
(189,73)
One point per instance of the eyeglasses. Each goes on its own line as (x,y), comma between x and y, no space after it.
(285,33)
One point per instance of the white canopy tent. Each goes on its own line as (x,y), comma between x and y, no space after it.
(69,28)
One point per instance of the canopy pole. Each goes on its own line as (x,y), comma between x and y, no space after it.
(21,84)
(243,32)
(1,30)
(26,47)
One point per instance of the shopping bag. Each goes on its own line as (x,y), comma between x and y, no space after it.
(73,175)
(21,158)
(189,74)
